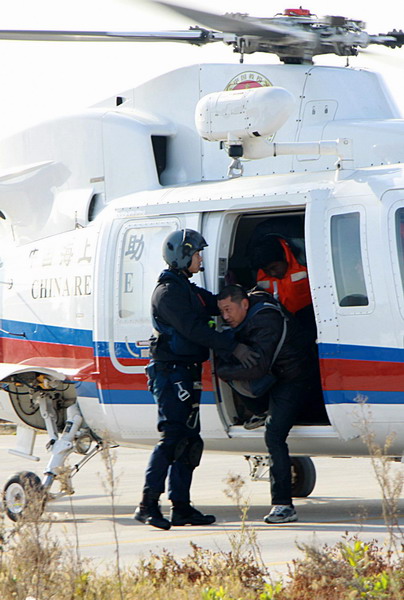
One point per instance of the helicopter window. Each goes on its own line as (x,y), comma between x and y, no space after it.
(400,241)
(159,143)
(347,260)
(138,258)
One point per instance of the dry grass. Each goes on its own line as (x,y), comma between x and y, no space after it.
(37,566)
(349,570)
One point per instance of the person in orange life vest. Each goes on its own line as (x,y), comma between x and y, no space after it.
(279,273)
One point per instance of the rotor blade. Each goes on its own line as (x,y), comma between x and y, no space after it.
(240,24)
(389,58)
(392,39)
(193,36)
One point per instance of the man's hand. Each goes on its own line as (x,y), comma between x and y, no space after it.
(246,355)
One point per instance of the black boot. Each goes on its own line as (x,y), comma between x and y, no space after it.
(182,513)
(149,511)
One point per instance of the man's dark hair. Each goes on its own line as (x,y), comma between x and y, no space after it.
(233,291)
(266,250)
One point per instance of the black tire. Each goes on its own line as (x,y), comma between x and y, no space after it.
(303,476)
(24,497)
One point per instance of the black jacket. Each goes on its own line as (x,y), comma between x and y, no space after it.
(262,332)
(181,312)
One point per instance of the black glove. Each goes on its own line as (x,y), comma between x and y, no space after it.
(246,355)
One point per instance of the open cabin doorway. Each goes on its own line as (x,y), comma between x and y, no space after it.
(247,228)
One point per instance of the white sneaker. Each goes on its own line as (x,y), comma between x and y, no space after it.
(281,514)
(255,421)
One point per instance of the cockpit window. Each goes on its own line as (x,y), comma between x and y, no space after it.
(347,260)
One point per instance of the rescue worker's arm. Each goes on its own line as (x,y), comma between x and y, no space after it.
(244,354)
(208,299)
(176,309)
(263,334)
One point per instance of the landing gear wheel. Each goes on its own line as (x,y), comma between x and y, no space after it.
(303,476)
(24,497)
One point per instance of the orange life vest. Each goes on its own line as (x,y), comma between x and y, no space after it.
(293,290)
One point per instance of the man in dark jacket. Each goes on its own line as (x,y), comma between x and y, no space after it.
(284,367)
(180,343)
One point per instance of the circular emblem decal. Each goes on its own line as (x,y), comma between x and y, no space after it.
(246,80)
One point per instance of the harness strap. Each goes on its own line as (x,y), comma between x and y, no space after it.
(256,308)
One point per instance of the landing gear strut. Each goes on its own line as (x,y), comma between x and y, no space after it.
(25,495)
(46,400)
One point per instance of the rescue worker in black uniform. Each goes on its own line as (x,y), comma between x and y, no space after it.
(179,345)
(284,370)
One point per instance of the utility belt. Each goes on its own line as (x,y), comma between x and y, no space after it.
(194,369)
(185,379)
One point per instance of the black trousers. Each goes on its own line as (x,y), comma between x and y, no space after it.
(177,396)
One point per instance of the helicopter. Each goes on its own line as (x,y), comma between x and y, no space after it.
(305,151)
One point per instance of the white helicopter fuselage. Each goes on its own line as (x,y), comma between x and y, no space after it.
(87,201)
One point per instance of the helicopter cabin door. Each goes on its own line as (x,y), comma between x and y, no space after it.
(339,271)
(130,264)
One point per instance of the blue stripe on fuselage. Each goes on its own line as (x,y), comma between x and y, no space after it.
(89,390)
(50,334)
(135,397)
(355,352)
(355,397)
(64,336)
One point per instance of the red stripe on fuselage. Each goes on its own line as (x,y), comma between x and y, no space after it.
(110,377)
(51,356)
(97,369)
(364,375)
(21,350)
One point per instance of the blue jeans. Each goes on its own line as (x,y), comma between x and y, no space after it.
(176,391)
(285,404)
